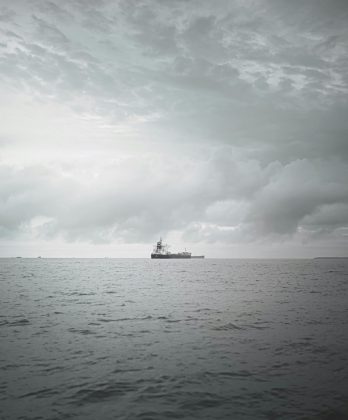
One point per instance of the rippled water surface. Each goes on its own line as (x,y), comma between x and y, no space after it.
(195,339)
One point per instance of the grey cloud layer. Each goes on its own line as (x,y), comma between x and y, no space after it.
(215,199)
(260,88)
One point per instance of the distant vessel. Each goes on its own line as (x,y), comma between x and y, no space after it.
(160,251)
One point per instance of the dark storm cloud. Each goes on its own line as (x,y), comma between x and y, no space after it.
(258,88)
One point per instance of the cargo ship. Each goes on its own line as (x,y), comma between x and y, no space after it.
(160,251)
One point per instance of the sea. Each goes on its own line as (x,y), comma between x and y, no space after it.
(173,339)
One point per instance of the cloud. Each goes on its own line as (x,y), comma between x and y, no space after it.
(125,120)
(139,198)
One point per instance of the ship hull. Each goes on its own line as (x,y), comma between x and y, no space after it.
(169,256)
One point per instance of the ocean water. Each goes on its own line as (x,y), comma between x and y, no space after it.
(190,339)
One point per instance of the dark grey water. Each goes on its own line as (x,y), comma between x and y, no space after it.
(195,339)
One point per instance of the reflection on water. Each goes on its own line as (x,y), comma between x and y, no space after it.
(147,339)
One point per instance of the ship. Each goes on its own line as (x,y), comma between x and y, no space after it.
(160,251)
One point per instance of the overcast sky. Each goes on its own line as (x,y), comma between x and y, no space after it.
(220,125)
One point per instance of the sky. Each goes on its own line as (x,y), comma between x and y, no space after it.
(221,126)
